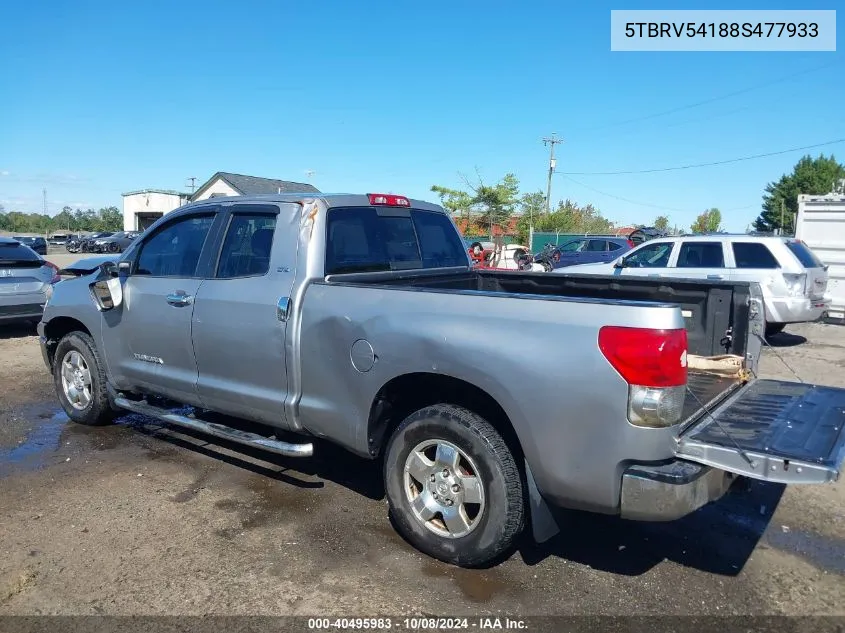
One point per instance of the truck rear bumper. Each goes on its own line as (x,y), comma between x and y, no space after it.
(669,491)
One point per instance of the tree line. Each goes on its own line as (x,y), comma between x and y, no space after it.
(479,205)
(67,220)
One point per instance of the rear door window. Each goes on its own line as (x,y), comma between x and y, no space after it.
(804,254)
(753,255)
(246,248)
(360,239)
(701,255)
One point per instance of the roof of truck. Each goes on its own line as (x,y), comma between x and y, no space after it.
(329,199)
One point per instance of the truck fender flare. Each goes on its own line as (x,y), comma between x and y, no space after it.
(543,524)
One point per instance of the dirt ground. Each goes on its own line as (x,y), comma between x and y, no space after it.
(137,519)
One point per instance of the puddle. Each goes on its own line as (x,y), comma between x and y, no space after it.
(822,551)
(42,440)
(476,585)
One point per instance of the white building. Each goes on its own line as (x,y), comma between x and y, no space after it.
(142,208)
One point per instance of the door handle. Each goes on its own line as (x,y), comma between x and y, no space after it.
(715,276)
(179,299)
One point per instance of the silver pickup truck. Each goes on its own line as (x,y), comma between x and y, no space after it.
(487,396)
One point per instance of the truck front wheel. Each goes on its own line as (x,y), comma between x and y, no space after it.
(453,487)
(80,380)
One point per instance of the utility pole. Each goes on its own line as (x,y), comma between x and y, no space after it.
(551,141)
(193,184)
(781,216)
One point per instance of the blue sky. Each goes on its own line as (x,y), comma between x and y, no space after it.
(105,97)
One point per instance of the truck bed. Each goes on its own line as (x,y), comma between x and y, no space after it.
(715,312)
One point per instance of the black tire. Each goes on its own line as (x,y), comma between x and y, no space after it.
(503,517)
(774,328)
(98,411)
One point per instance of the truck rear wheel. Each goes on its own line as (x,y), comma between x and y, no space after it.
(453,486)
(80,380)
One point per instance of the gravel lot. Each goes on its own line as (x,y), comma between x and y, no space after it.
(136,519)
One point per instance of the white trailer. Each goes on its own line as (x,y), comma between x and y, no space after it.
(821,225)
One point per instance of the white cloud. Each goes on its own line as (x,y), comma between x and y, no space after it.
(5,173)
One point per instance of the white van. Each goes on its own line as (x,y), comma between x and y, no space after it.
(793,279)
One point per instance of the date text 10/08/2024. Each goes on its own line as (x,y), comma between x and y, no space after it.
(417,624)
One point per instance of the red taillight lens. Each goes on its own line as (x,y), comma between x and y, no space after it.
(646,357)
(388,200)
(630,244)
(56,276)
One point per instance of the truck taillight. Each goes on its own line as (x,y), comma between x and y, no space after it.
(388,200)
(654,364)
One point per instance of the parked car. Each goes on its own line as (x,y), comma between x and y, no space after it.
(26,281)
(89,242)
(58,239)
(38,244)
(586,250)
(359,320)
(793,279)
(116,243)
(644,234)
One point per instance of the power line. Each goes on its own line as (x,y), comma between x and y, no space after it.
(728,95)
(648,204)
(680,167)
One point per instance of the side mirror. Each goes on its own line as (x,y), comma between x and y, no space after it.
(108,293)
(619,263)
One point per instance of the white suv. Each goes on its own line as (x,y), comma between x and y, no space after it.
(793,279)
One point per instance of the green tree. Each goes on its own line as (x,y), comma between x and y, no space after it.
(63,221)
(532,205)
(109,219)
(486,204)
(496,203)
(708,222)
(568,217)
(814,176)
(661,223)
(458,203)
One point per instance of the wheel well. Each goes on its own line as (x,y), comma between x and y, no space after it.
(408,393)
(58,328)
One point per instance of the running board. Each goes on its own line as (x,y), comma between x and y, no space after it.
(217,430)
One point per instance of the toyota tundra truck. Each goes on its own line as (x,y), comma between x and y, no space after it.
(487,397)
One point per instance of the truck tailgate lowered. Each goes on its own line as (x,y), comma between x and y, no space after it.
(773,430)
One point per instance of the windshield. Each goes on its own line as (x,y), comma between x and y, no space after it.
(360,239)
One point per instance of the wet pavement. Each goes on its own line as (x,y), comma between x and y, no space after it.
(141,518)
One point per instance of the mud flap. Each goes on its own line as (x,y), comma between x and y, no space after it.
(773,430)
(543,524)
